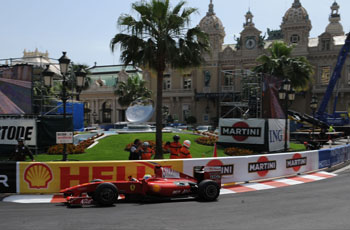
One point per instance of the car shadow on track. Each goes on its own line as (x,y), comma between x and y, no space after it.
(139,202)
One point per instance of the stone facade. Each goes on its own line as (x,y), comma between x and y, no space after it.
(209,92)
(100,103)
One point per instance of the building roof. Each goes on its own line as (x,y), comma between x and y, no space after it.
(211,24)
(113,69)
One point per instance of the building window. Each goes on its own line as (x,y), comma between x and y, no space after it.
(106,112)
(165,112)
(186,111)
(348,74)
(167,82)
(325,75)
(326,44)
(206,118)
(228,79)
(294,38)
(187,81)
(87,111)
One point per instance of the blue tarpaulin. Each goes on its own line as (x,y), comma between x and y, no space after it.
(77,110)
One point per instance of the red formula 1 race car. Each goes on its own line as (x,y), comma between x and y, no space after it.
(166,183)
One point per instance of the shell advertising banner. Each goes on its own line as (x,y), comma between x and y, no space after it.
(51,177)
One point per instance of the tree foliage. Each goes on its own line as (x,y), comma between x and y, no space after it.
(280,63)
(160,37)
(131,90)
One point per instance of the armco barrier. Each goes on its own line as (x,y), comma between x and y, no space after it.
(50,177)
(235,169)
(333,156)
(8,177)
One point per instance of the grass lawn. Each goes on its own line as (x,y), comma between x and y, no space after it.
(112,148)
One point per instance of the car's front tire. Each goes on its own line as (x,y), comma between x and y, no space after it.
(106,194)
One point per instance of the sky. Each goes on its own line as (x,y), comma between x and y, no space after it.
(84,28)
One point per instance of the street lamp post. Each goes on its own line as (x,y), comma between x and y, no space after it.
(64,63)
(286,94)
(64,95)
(313,106)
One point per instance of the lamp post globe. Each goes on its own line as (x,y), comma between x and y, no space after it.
(64,63)
(48,76)
(80,76)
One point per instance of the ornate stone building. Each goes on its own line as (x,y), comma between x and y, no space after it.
(100,103)
(215,89)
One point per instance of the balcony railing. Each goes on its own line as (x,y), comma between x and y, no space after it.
(178,92)
(227,88)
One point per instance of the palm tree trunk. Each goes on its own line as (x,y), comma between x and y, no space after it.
(159,125)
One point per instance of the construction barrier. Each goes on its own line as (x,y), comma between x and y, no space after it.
(50,177)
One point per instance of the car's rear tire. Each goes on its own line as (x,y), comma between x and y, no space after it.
(106,194)
(208,190)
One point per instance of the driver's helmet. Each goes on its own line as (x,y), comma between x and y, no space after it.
(176,137)
(187,143)
(146,176)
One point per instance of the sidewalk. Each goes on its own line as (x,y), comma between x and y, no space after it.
(336,143)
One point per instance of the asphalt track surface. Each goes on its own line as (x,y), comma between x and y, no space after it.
(318,205)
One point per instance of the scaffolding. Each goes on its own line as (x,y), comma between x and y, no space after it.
(247,100)
(43,100)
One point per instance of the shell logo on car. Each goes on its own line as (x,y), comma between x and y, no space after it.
(38,176)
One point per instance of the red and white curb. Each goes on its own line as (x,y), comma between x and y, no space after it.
(277,183)
(238,188)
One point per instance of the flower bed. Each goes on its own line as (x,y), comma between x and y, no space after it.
(73,149)
(207,140)
(233,151)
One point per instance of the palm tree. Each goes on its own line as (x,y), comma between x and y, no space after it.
(159,38)
(131,90)
(280,64)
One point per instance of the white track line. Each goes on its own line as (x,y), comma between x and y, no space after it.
(224,191)
(25,199)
